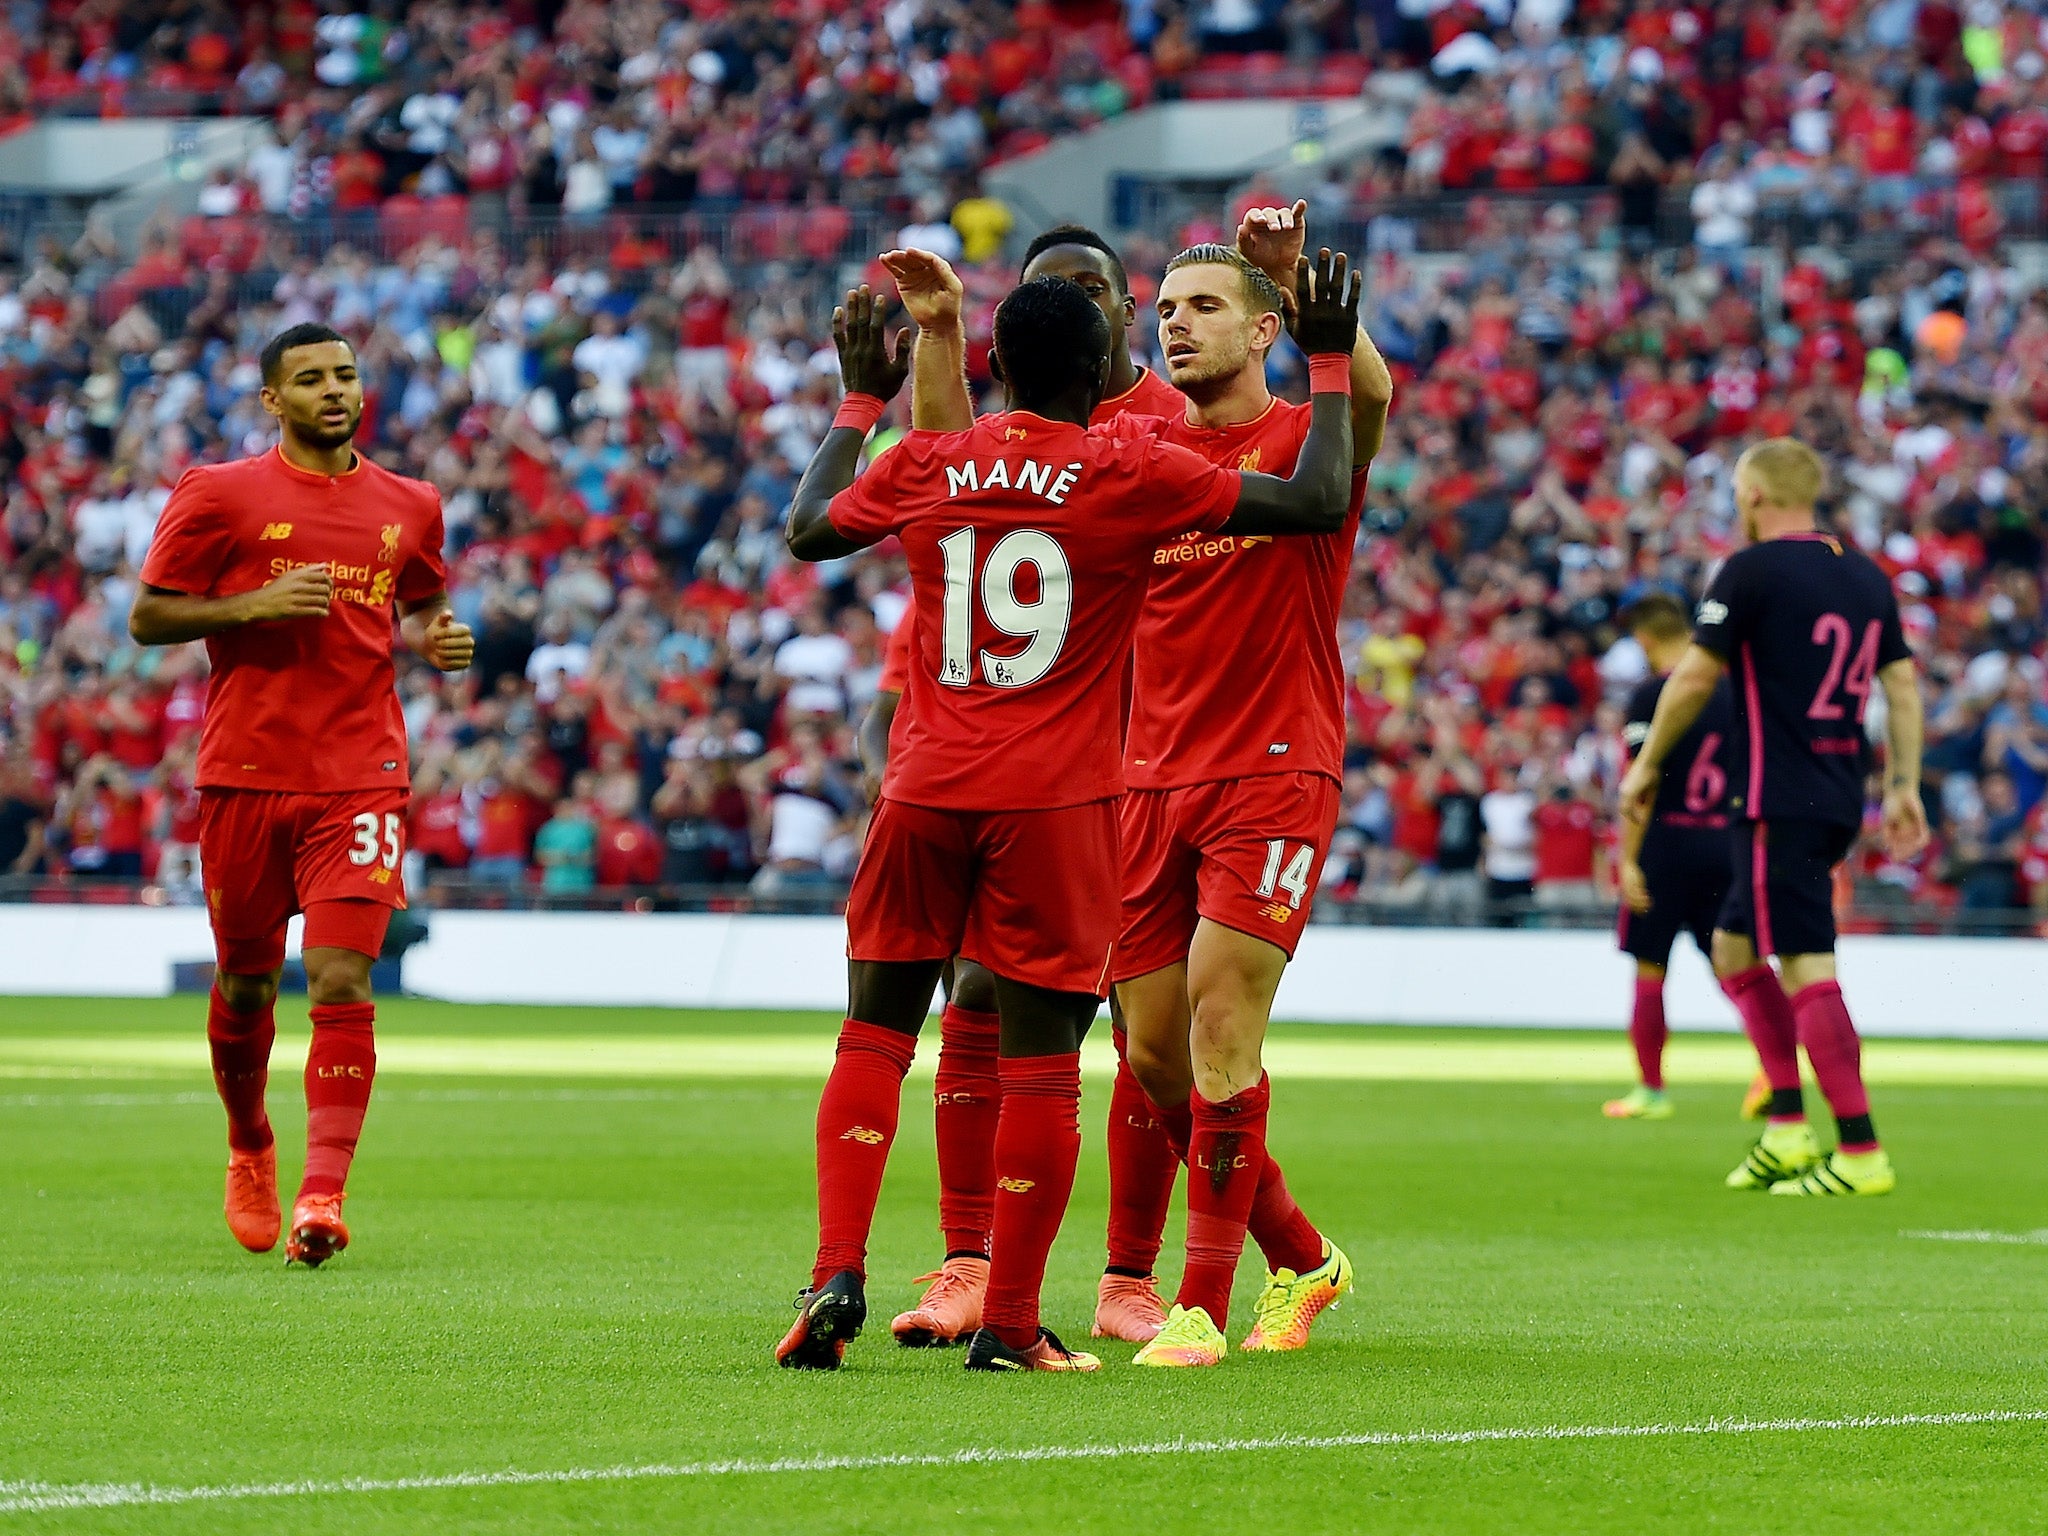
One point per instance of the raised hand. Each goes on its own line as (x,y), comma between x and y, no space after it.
(930,289)
(1327,319)
(1271,239)
(866,364)
(303,592)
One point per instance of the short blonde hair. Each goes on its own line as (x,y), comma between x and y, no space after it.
(1789,473)
(1262,294)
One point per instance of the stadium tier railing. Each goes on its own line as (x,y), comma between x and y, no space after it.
(802,898)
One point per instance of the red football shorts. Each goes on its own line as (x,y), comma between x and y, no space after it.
(267,855)
(1032,895)
(1246,853)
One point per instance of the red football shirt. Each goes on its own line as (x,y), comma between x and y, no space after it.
(304,704)
(1150,396)
(1238,670)
(1565,834)
(1030,545)
(896,655)
(628,853)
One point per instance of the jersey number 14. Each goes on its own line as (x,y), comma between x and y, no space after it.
(1041,624)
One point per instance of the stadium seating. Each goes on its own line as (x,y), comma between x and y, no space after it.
(1575,369)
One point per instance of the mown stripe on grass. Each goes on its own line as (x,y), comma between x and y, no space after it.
(33,1497)
(2038,1236)
(1473,1059)
(417,1096)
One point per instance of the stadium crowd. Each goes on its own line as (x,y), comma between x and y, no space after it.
(615,419)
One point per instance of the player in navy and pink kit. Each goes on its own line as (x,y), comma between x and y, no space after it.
(1808,627)
(1674,867)
(1030,540)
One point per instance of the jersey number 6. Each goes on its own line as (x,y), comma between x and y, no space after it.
(1042,623)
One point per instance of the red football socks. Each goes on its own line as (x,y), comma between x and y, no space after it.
(1038,1142)
(340,1068)
(1831,1045)
(1647,1031)
(1142,1165)
(964,1103)
(240,1043)
(857,1116)
(1767,1016)
(1285,1235)
(1226,1157)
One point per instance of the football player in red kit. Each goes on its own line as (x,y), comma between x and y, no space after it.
(1233,762)
(291,567)
(1030,540)
(1142,1159)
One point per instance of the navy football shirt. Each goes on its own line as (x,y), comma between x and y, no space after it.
(1805,625)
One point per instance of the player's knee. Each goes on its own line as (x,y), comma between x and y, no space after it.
(974,988)
(1733,954)
(247,994)
(1164,1073)
(337,976)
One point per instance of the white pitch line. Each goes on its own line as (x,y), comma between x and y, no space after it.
(2038,1236)
(31,1497)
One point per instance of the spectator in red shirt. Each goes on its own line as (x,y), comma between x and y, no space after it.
(628,849)
(1567,849)
(511,805)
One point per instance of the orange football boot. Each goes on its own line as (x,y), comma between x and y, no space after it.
(251,1205)
(1129,1309)
(950,1310)
(1756,1103)
(318,1232)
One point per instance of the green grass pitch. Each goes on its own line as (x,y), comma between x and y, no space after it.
(577,1233)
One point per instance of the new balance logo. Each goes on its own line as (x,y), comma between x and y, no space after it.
(275,531)
(380,877)
(864,1136)
(1277,748)
(1016,1186)
(1713,612)
(1277,912)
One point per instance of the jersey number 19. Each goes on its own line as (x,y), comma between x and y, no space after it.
(1041,623)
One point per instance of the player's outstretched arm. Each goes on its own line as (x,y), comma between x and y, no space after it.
(1905,814)
(933,295)
(161,616)
(431,632)
(1271,239)
(1316,497)
(873,376)
(1685,694)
